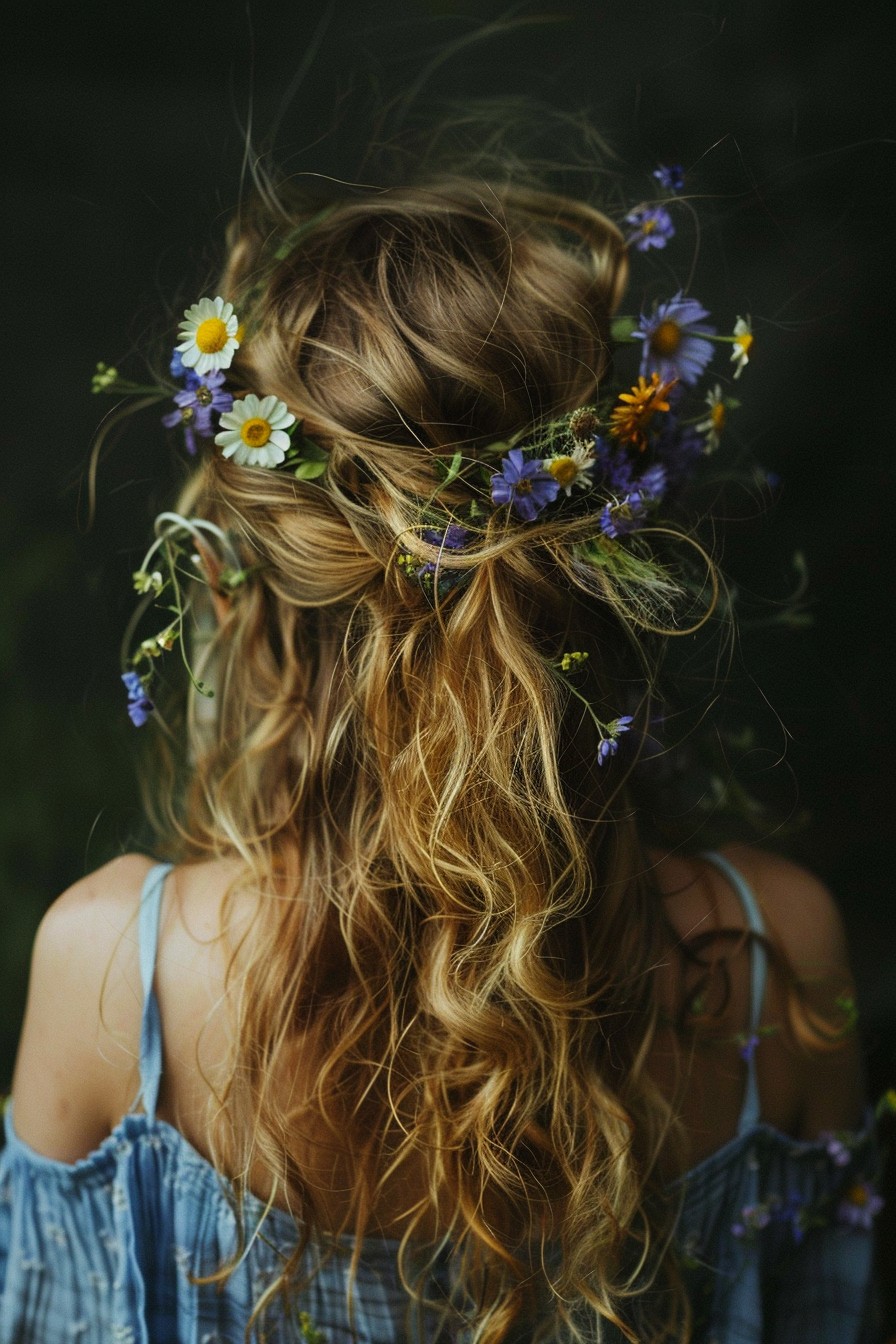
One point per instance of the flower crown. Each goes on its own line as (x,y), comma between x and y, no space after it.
(617,461)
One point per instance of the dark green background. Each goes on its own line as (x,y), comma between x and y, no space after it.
(124,148)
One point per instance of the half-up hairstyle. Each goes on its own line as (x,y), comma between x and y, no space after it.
(450,889)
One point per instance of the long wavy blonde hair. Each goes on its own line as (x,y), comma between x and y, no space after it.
(450,890)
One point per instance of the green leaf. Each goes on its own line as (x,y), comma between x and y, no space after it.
(622,327)
(309,471)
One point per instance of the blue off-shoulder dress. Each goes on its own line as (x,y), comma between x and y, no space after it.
(774,1235)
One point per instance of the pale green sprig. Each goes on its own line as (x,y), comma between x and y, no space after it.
(106,378)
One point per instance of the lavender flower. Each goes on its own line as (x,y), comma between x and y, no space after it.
(835,1148)
(525,486)
(670,176)
(748,1044)
(674,340)
(202,398)
(608,746)
(139,704)
(753,1218)
(617,520)
(860,1206)
(614,466)
(454,537)
(651,226)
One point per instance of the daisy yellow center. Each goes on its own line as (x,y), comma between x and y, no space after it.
(211,335)
(563,470)
(744,342)
(667,338)
(717,416)
(858,1195)
(255,432)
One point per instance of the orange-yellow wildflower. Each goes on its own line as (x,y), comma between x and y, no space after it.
(630,418)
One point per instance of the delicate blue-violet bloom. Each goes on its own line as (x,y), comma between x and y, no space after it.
(614,467)
(139,704)
(202,398)
(652,482)
(650,226)
(617,520)
(753,1218)
(608,746)
(747,1048)
(860,1206)
(674,340)
(454,537)
(525,486)
(670,176)
(679,448)
(177,368)
(835,1148)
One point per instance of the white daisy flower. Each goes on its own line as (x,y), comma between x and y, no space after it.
(572,468)
(743,344)
(208,335)
(714,423)
(254,434)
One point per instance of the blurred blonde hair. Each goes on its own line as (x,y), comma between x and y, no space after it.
(451,893)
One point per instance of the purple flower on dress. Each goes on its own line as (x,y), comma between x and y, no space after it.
(525,486)
(860,1206)
(202,398)
(748,1044)
(753,1218)
(835,1148)
(670,176)
(139,704)
(674,340)
(617,520)
(651,226)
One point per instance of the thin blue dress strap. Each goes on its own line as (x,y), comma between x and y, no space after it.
(749,1115)
(151,1024)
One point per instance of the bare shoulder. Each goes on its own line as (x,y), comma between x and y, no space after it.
(77,1071)
(78,1048)
(800,911)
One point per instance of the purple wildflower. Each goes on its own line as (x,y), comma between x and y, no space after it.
(614,466)
(617,520)
(791,1212)
(202,398)
(670,176)
(177,368)
(679,448)
(608,746)
(454,537)
(525,486)
(139,704)
(652,482)
(753,1218)
(674,340)
(835,1148)
(748,1044)
(860,1206)
(651,226)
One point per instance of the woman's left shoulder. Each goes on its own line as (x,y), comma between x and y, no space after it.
(77,1064)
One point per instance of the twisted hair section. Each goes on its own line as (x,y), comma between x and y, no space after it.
(452,919)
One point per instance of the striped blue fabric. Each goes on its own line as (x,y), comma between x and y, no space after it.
(107,1250)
